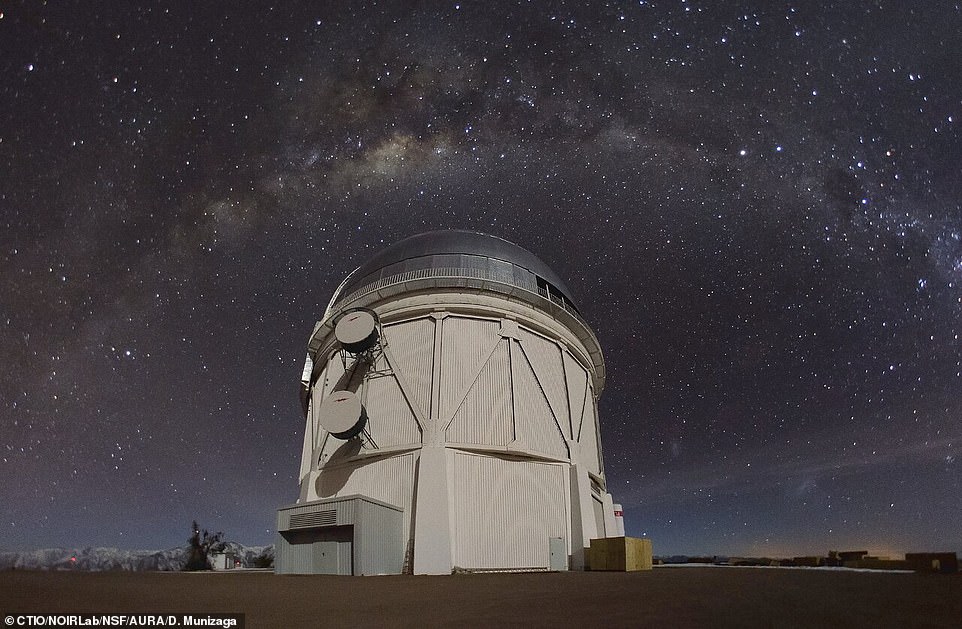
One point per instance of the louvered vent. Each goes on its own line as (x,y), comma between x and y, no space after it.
(318,518)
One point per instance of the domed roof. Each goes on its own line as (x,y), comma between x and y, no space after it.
(455,241)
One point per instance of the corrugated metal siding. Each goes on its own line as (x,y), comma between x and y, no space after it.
(325,383)
(506,511)
(390,420)
(486,416)
(412,346)
(599,512)
(318,394)
(545,358)
(589,436)
(333,373)
(465,343)
(536,426)
(331,446)
(307,449)
(379,548)
(292,558)
(390,480)
(576,377)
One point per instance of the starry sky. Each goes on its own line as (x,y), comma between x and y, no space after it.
(755,204)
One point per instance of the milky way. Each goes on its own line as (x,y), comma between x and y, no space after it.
(757,208)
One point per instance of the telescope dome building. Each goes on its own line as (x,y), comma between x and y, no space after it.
(450,399)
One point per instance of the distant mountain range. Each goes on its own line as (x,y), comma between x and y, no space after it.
(101,559)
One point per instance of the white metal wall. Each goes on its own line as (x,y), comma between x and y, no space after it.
(588,435)
(389,480)
(411,347)
(465,345)
(527,391)
(391,419)
(538,429)
(484,382)
(485,416)
(546,360)
(584,417)
(379,548)
(599,514)
(495,388)
(506,511)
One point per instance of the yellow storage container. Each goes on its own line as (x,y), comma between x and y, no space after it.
(620,554)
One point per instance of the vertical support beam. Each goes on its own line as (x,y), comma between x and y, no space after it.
(610,526)
(307,448)
(432,522)
(583,527)
(432,431)
(567,386)
(432,516)
(596,421)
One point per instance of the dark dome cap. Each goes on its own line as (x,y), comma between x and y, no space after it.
(456,241)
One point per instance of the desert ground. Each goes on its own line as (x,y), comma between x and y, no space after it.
(664,597)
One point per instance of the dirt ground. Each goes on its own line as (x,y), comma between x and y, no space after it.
(664,597)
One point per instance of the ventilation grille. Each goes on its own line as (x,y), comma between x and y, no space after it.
(318,518)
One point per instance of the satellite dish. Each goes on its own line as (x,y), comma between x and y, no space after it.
(357,331)
(342,415)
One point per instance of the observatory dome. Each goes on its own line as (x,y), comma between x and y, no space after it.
(450,395)
(480,255)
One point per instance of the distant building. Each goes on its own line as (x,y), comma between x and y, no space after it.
(877,563)
(946,563)
(223,561)
(810,562)
(836,558)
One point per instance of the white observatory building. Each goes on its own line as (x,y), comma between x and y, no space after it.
(451,419)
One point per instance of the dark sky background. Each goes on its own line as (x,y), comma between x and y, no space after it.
(757,206)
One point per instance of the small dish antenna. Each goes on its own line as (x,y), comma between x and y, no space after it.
(357,331)
(343,415)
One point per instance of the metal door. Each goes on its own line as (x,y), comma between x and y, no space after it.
(345,557)
(325,558)
(559,557)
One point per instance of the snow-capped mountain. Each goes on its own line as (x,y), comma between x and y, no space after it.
(98,559)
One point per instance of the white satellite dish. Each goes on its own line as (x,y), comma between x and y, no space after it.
(357,331)
(342,415)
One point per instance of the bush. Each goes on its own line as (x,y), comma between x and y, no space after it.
(264,560)
(201,545)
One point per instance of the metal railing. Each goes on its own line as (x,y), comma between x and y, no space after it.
(508,279)
(520,284)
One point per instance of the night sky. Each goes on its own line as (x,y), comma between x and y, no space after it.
(756,205)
